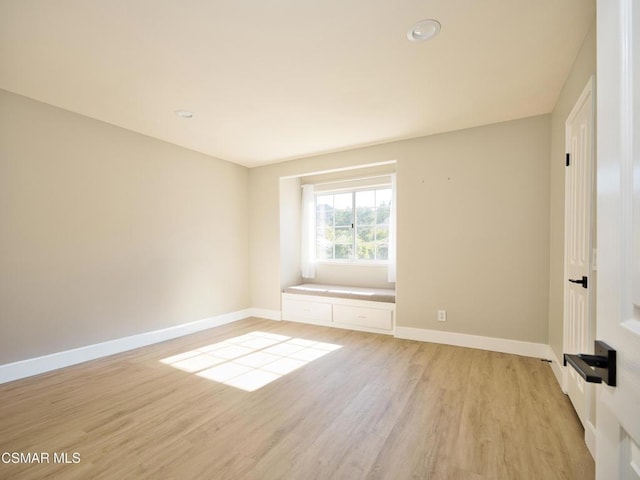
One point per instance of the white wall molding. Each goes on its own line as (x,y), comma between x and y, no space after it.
(590,438)
(556,368)
(503,345)
(46,363)
(54,361)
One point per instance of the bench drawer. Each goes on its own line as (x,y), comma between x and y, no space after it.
(363,317)
(297,310)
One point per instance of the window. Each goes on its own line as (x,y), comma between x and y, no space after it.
(353,226)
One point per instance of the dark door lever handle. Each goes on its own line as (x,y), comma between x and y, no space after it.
(583,281)
(597,368)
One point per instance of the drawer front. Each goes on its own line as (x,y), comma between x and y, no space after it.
(297,310)
(363,317)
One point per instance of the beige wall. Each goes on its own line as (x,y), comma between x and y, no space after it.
(473,231)
(353,275)
(290,232)
(473,227)
(107,233)
(583,67)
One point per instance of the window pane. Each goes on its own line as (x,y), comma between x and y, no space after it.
(324,215)
(383,197)
(366,199)
(343,218)
(365,244)
(382,251)
(344,252)
(365,215)
(382,234)
(343,209)
(382,215)
(343,201)
(366,251)
(365,234)
(336,216)
(343,235)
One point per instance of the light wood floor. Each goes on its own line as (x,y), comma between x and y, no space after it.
(378,407)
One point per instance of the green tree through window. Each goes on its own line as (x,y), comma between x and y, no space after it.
(353,225)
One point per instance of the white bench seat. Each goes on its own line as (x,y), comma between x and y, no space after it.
(355,308)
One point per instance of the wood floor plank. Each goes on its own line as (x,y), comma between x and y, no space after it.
(377,407)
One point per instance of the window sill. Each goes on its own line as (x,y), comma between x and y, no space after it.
(349,263)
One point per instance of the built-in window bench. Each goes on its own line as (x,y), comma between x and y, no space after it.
(355,308)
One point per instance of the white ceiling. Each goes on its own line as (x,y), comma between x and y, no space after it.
(280,79)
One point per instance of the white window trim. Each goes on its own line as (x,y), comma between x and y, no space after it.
(355,261)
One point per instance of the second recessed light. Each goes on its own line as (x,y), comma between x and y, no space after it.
(423,30)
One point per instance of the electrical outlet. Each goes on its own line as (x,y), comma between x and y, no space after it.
(442,315)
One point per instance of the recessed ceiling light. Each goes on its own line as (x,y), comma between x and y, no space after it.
(423,30)
(184,113)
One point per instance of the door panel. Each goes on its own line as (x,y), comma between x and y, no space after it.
(618,311)
(578,245)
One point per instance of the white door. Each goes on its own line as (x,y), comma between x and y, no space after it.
(578,337)
(618,230)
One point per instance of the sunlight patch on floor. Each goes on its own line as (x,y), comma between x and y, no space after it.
(250,361)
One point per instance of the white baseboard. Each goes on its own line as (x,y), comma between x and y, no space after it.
(46,363)
(54,361)
(503,345)
(590,438)
(556,368)
(265,313)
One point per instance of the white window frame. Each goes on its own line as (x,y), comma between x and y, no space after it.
(354,226)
